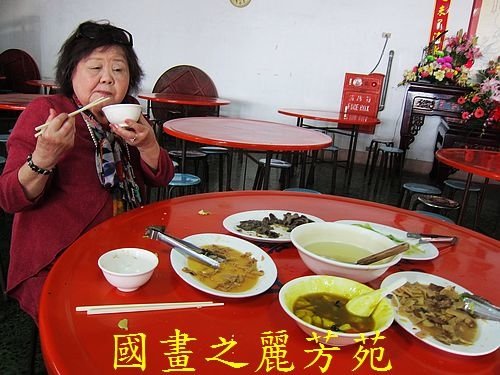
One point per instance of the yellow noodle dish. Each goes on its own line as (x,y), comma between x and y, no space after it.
(238,273)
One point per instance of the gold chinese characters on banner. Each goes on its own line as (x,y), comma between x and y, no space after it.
(439,22)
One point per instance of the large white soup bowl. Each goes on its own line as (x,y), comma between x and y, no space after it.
(373,242)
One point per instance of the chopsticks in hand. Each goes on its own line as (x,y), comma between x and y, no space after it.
(41,128)
(137,307)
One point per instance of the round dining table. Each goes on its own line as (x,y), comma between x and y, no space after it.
(352,122)
(46,85)
(16,101)
(253,333)
(253,135)
(478,162)
(184,100)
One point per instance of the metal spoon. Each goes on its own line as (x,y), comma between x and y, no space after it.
(364,304)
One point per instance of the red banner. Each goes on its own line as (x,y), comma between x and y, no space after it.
(439,21)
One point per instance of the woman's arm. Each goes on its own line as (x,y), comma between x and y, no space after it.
(57,138)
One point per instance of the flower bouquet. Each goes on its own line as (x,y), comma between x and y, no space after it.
(451,65)
(481,106)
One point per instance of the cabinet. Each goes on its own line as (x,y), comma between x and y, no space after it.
(427,99)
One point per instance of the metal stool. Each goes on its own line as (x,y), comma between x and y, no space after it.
(302,190)
(458,185)
(435,215)
(275,163)
(389,157)
(335,153)
(3,144)
(3,279)
(220,152)
(196,157)
(436,203)
(372,150)
(412,188)
(183,180)
(161,191)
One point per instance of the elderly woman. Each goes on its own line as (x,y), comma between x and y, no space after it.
(81,170)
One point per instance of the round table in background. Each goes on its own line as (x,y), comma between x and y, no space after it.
(253,135)
(350,121)
(46,85)
(475,162)
(184,100)
(16,101)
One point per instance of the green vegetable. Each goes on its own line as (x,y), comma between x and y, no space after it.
(414,249)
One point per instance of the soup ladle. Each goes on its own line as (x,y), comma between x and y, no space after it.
(364,304)
(400,248)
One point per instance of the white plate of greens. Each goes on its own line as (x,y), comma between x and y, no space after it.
(425,251)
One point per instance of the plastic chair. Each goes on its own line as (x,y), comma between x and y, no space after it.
(18,66)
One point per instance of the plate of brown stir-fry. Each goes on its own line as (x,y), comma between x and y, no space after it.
(272,226)
(246,270)
(431,309)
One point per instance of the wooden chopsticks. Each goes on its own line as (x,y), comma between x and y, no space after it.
(138,307)
(402,247)
(40,128)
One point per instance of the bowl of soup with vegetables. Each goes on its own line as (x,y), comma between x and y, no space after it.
(317,304)
(333,249)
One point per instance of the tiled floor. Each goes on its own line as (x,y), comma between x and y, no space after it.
(16,328)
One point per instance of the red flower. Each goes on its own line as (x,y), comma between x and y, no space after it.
(424,74)
(475,99)
(496,114)
(479,112)
(465,115)
(449,74)
(469,63)
(461,100)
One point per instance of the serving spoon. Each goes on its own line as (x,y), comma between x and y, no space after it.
(364,304)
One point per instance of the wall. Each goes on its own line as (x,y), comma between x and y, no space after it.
(271,54)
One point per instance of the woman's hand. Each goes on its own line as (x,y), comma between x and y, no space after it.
(58,137)
(140,134)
